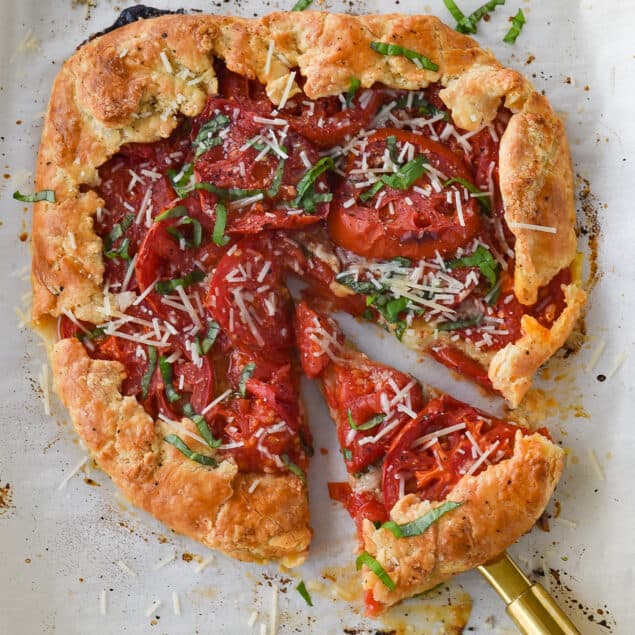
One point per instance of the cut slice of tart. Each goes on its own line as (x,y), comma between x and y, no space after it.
(436,487)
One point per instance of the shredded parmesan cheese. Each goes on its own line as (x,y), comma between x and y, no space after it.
(176,603)
(103,602)
(151,609)
(596,465)
(593,360)
(204,563)
(72,473)
(273,615)
(125,568)
(287,90)
(538,228)
(162,563)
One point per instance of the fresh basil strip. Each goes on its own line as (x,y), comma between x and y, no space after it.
(42,195)
(363,287)
(306,196)
(391,144)
(407,174)
(274,188)
(118,230)
(227,193)
(301,5)
(172,212)
(400,260)
(460,324)
(201,426)
(348,455)
(197,232)
(365,558)
(373,422)
(455,12)
(492,297)
(366,195)
(147,376)
(482,198)
(167,286)
(206,137)
(179,444)
(302,590)
(468,23)
(91,335)
(352,91)
(213,329)
(403,179)
(421,524)
(400,329)
(394,49)
(518,21)
(218,235)
(183,185)
(248,371)
(481,258)
(292,467)
(166,374)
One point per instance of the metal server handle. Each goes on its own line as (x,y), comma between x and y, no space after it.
(533,610)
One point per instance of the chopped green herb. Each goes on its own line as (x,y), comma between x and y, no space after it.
(394,308)
(226,193)
(403,179)
(213,328)
(391,144)
(42,195)
(492,297)
(179,444)
(167,286)
(373,422)
(482,197)
(400,329)
(422,105)
(348,455)
(400,260)
(456,13)
(394,49)
(197,232)
(274,188)
(352,91)
(201,426)
(207,136)
(218,235)
(481,258)
(172,212)
(468,24)
(365,558)
(366,195)
(292,467)
(118,230)
(306,195)
(363,287)
(248,371)
(91,335)
(518,21)
(147,376)
(301,5)
(302,590)
(182,180)
(166,375)
(421,524)
(460,324)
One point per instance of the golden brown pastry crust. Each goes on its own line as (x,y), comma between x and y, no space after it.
(118,89)
(219,507)
(499,505)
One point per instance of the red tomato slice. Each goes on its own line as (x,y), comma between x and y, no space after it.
(249,300)
(249,158)
(396,227)
(315,333)
(431,472)
(326,124)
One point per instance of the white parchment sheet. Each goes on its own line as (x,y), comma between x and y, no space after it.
(60,544)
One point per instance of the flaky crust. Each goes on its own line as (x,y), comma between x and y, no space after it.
(214,506)
(499,505)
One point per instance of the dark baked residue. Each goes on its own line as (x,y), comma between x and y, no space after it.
(132,14)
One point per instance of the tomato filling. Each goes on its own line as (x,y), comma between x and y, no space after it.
(374,198)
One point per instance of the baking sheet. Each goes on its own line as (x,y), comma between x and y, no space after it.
(60,543)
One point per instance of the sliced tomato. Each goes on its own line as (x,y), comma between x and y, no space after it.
(431,471)
(459,362)
(315,334)
(249,300)
(360,505)
(326,123)
(406,223)
(256,161)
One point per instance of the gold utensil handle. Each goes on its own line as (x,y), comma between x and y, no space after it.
(533,610)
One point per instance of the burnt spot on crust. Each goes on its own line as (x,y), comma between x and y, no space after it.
(132,14)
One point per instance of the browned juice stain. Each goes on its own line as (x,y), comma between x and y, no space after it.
(343,582)
(446,615)
(91,482)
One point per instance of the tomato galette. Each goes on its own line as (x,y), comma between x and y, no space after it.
(190,164)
